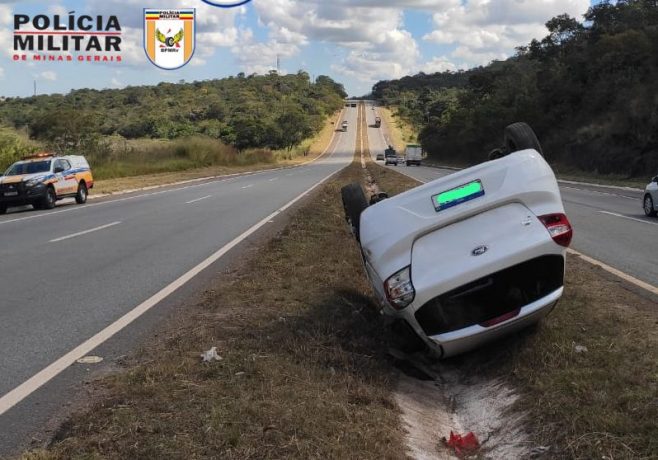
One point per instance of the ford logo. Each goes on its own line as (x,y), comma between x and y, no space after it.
(479,251)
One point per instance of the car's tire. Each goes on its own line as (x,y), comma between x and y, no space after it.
(3,209)
(648,205)
(81,196)
(48,201)
(408,163)
(520,136)
(354,202)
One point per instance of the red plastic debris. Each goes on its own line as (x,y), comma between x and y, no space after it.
(462,445)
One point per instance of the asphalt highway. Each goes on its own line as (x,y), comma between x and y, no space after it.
(71,272)
(609,224)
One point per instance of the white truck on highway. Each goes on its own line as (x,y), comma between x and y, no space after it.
(413,154)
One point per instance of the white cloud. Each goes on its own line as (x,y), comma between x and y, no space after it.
(48,75)
(58,9)
(261,57)
(439,64)
(484,30)
(370,33)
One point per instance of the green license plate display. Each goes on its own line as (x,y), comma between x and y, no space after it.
(458,195)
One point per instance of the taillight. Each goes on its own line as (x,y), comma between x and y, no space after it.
(559,227)
(400,291)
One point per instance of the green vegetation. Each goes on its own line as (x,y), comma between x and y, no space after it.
(588,89)
(13,146)
(236,120)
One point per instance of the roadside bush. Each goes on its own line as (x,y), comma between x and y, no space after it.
(13,147)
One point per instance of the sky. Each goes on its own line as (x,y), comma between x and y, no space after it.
(356,42)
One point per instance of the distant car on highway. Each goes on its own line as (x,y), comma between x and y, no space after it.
(42,179)
(651,198)
(380,157)
(390,156)
(344,125)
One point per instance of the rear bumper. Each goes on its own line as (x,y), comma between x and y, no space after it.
(460,341)
(486,309)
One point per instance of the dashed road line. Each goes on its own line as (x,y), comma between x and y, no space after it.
(199,199)
(621,216)
(91,230)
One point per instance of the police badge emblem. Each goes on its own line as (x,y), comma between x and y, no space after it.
(169,37)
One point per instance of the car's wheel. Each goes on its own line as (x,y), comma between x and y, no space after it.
(48,201)
(408,163)
(3,209)
(354,202)
(649,208)
(520,136)
(81,196)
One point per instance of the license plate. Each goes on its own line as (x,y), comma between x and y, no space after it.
(458,195)
(11,193)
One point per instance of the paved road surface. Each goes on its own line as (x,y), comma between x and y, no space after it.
(609,223)
(70,272)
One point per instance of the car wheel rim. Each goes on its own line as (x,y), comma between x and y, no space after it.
(83,193)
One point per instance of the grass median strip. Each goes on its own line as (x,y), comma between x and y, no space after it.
(304,373)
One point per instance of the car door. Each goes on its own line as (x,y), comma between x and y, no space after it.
(62,181)
(70,181)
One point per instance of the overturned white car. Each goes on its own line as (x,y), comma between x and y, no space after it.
(471,256)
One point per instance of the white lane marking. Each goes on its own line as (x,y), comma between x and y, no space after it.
(272,180)
(619,273)
(598,193)
(247,186)
(42,377)
(199,199)
(627,217)
(67,237)
(211,180)
(615,187)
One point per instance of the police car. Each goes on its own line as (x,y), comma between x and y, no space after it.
(40,180)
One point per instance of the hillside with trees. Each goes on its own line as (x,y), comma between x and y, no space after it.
(589,89)
(244,112)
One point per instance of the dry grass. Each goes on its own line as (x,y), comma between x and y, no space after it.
(599,404)
(400,132)
(304,372)
(122,182)
(305,375)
